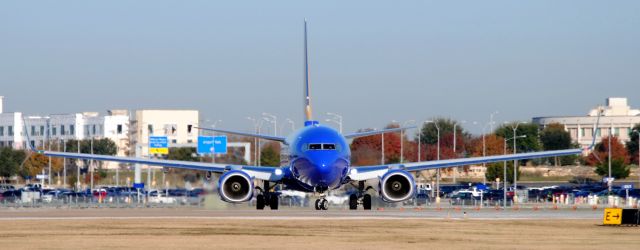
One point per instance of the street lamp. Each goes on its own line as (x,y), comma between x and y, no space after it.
(637,132)
(515,162)
(437,158)
(257,125)
(504,172)
(402,139)
(213,133)
(273,120)
(293,126)
(336,118)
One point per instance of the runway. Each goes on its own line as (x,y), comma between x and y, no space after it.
(196,228)
(296,214)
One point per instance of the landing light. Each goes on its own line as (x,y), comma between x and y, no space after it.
(354,171)
(278,171)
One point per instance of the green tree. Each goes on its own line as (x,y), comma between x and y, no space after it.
(10,161)
(269,156)
(183,154)
(619,169)
(496,170)
(527,144)
(632,145)
(430,132)
(554,137)
(103,146)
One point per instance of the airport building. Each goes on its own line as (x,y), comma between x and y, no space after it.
(618,119)
(174,124)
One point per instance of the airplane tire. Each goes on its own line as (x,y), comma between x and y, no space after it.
(273,202)
(317,204)
(324,204)
(353,202)
(260,202)
(366,202)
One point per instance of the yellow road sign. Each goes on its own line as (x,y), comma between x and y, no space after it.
(162,151)
(612,216)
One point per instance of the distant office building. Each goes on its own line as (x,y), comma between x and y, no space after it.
(618,119)
(52,130)
(174,124)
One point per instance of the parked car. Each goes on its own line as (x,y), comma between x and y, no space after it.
(156,196)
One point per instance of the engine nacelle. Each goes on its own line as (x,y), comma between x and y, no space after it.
(235,186)
(396,186)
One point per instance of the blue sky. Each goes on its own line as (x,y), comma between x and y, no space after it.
(371,61)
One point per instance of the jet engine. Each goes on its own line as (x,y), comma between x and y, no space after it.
(235,186)
(396,186)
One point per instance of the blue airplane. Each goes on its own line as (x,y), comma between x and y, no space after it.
(320,160)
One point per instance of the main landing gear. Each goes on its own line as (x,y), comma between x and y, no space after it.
(267,198)
(360,198)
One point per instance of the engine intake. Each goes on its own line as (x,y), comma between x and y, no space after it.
(235,186)
(397,186)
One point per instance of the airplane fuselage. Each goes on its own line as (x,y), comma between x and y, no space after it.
(319,157)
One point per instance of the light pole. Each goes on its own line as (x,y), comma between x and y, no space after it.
(293,126)
(609,181)
(437,158)
(455,169)
(504,170)
(273,120)
(337,119)
(255,140)
(213,133)
(637,132)
(402,139)
(515,162)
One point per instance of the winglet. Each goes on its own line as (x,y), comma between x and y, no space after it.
(26,132)
(595,131)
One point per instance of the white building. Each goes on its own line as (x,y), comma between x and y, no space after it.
(617,119)
(171,123)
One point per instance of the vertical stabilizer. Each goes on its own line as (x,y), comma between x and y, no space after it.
(307,95)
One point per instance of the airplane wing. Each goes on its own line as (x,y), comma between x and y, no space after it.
(261,136)
(375,132)
(258,172)
(371,172)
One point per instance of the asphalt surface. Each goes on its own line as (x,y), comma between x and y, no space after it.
(297,213)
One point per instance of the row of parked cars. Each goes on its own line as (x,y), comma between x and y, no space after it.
(473,192)
(36,193)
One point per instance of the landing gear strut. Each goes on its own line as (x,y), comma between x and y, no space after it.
(360,198)
(267,198)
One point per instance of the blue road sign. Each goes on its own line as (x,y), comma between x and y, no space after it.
(138,185)
(158,145)
(220,144)
(627,186)
(205,144)
(211,144)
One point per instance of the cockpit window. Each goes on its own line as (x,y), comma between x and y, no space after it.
(329,146)
(321,146)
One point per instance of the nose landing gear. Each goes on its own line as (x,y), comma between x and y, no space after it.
(322,204)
